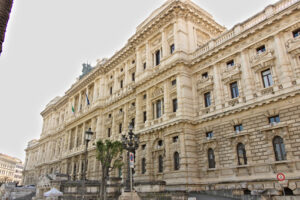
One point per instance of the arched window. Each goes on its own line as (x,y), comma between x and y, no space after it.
(211,158)
(241,153)
(160,164)
(176,161)
(279,148)
(143,165)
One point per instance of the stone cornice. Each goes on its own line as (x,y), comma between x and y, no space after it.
(244,29)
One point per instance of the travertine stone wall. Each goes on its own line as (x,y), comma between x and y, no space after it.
(159,81)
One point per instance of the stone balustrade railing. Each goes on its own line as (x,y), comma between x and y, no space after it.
(236,30)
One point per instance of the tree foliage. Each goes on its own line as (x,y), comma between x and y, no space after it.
(109,154)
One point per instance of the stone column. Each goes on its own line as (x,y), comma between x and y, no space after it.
(283,64)
(165,46)
(98,127)
(138,110)
(175,32)
(218,92)
(149,107)
(167,100)
(247,76)
(96,89)
(79,102)
(138,62)
(148,56)
(83,134)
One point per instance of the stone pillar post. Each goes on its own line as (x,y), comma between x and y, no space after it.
(139,112)
(83,134)
(165,46)
(218,92)
(175,32)
(247,76)
(148,56)
(138,62)
(149,108)
(283,64)
(167,100)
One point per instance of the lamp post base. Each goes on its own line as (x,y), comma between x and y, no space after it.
(129,196)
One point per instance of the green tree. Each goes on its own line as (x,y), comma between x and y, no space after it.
(109,154)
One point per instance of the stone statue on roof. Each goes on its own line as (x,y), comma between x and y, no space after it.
(86,68)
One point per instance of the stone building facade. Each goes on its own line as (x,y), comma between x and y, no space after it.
(11,169)
(215,109)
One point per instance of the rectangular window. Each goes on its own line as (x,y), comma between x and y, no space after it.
(120,128)
(207,99)
(145,65)
(158,109)
(230,63)
(175,139)
(133,122)
(205,75)
(145,116)
(296,33)
(110,90)
(261,49)
(174,105)
(133,76)
(274,119)
(143,147)
(238,128)
(121,84)
(145,96)
(209,135)
(172,48)
(157,57)
(173,82)
(108,132)
(109,115)
(234,90)
(267,78)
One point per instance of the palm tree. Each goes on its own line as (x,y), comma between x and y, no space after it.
(109,154)
(5,8)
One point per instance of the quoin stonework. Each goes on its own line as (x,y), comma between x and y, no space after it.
(215,109)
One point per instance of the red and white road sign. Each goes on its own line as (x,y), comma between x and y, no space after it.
(131,159)
(280,177)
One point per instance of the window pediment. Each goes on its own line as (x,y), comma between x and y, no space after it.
(262,58)
(293,45)
(157,92)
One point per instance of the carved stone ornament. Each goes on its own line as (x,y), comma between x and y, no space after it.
(293,44)
(232,73)
(261,58)
(157,92)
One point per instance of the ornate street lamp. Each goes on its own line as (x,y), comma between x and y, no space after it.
(130,143)
(88,138)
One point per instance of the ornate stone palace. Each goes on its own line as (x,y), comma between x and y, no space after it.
(215,109)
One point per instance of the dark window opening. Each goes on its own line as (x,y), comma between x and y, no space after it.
(296,33)
(173,82)
(207,99)
(205,75)
(133,76)
(230,63)
(145,116)
(108,132)
(120,128)
(176,161)
(160,143)
(209,135)
(145,96)
(157,57)
(234,90)
(110,90)
(143,165)
(238,128)
(175,139)
(267,78)
(143,146)
(174,102)
(288,192)
(247,192)
(241,152)
(211,159)
(274,119)
(121,84)
(261,49)
(279,148)
(158,109)
(160,164)
(172,48)
(145,65)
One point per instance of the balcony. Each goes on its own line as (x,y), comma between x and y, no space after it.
(293,46)
(231,73)
(262,59)
(205,84)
